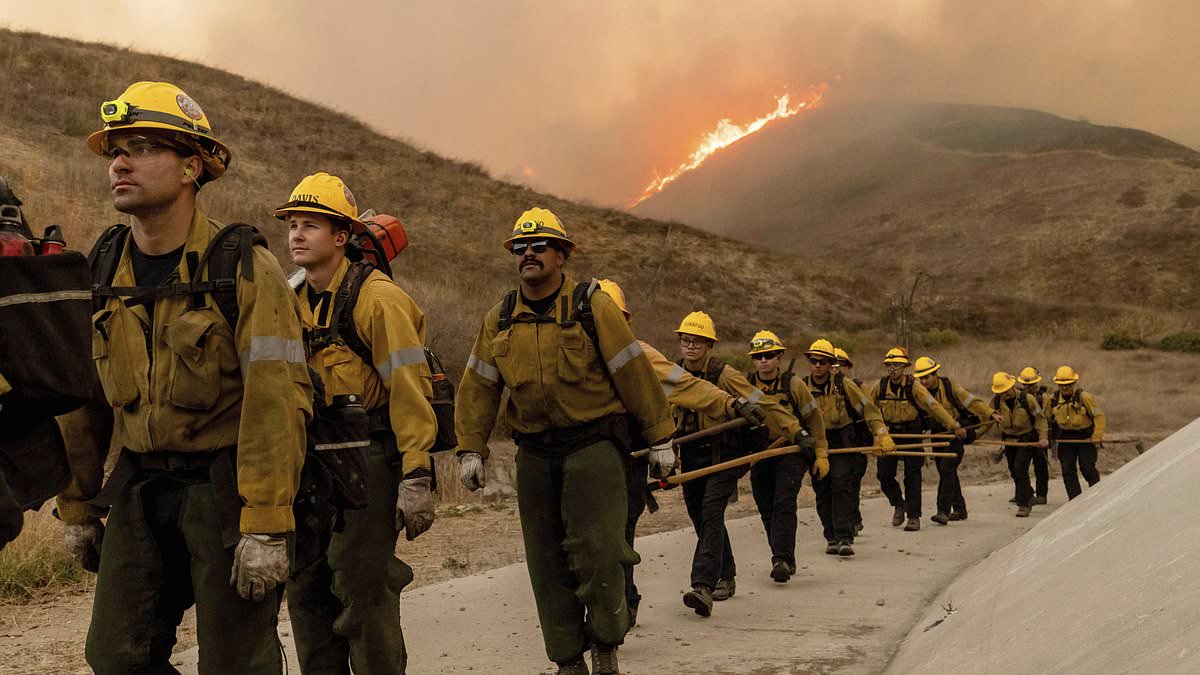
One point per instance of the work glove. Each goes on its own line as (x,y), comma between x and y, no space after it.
(959,431)
(470,470)
(260,563)
(807,443)
(414,506)
(662,460)
(750,411)
(83,543)
(820,467)
(886,444)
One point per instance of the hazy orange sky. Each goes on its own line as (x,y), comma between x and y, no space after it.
(594,97)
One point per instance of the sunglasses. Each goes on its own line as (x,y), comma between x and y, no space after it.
(764,356)
(820,362)
(139,146)
(538,247)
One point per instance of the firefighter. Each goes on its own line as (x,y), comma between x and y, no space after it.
(967,409)
(577,378)
(685,391)
(707,497)
(845,367)
(1028,381)
(1075,416)
(1022,420)
(775,481)
(851,420)
(210,413)
(345,607)
(904,404)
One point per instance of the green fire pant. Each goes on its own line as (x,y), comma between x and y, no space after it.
(161,554)
(345,607)
(573,511)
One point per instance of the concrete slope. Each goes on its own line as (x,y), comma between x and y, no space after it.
(1109,583)
(842,615)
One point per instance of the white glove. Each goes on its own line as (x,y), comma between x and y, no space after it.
(260,563)
(83,543)
(662,460)
(414,506)
(470,470)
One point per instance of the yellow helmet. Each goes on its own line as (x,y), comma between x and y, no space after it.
(539,223)
(821,347)
(925,366)
(897,355)
(1002,382)
(698,323)
(1065,375)
(614,291)
(842,357)
(162,106)
(325,194)
(1029,375)
(764,341)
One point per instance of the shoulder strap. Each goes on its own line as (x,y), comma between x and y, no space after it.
(103,260)
(233,244)
(839,381)
(581,309)
(949,387)
(507,305)
(879,393)
(344,302)
(715,367)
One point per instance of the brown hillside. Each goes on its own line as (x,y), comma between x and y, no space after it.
(455,213)
(998,205)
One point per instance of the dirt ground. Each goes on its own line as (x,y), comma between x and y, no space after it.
(48,635)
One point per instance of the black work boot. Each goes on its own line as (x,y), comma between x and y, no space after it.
(1024,511)
(1039,500)
(913,525)
(831,548)
(576,667)
(958,515)
(845,548)
(940,518)
(780,572)
(604,660)
(724,589)
(699,599)
(898,517)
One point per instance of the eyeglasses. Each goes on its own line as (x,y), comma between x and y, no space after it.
(693,342)
(820,362)
(538,247)
(764,356)
(138,147)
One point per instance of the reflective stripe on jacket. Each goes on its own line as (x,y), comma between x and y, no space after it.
(805,406)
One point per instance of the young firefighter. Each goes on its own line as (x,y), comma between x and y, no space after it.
(1028,382)
(851,420)
(345,607)
(1021,420)
(775,481)
(707,497)
(904,403)
(845,368)
(206,378)
(577,378)
(960,403)
(1075,416)
(685,391)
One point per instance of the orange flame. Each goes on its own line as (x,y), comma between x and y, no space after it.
(528,171)
(727,133)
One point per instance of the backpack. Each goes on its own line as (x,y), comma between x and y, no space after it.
(341,330)
(1076,397)
(965,417)
(861,431)
(578,307)
(741,441)
(782,389)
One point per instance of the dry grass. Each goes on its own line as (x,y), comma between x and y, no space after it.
(37,564)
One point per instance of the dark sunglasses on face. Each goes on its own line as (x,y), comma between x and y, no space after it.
(539,247)
(820,362)
(764,356)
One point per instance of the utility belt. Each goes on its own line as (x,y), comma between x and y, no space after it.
(218,467)
(851,435)
(910,427)
(1030,436)
(1074,434)
(565,441)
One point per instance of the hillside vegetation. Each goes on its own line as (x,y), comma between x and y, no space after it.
(456,215)
(1018,217)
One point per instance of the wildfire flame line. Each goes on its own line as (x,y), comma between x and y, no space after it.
(727,133)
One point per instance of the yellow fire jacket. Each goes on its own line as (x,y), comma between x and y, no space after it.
(686,390)
(780,421)
(392,326)
(897,409)
(833,404)
(965,398)
(1017,421)
(1080,411)
(556,377)
(186,382)
(802,400)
